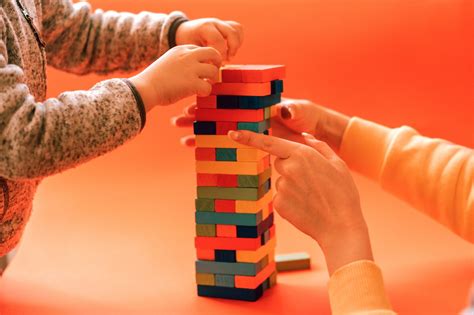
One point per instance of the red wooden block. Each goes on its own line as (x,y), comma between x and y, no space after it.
(205,254)
(224,205)
(223,127)
(226,230)
(237,115)
(230,243)
(242,89)
(207,179)
(252,73)
(224,180)
(205,154)
(206,102)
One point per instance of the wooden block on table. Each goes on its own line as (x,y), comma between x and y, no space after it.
(237,115)
(206,229)
(247,181)
(205,154)
(243,219)
(205,279)
(244,269)
(256,255)
(225,280)
(206,102)
(226,154)
(228,243)
(248,282)
(205,254)
(252,73)
(232,168)
(255,231)
(217,141)
(247,102)
(232,193)
(204,204)
(250,154)
(272,279)
(250,295)
(226,256)
(223,230)
(293,261)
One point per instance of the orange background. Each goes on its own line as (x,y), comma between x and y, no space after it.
(116,235)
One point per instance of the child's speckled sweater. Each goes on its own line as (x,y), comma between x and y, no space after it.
(41,137)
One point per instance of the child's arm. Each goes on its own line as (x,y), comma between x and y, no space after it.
(79,40)
(42,138)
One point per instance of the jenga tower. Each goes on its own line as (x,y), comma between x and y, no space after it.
(235,240)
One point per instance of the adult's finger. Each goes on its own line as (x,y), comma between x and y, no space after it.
(183,121)
(208,54)
(273,145)
(190,110)
(320,146)
(231,35)
(189,141)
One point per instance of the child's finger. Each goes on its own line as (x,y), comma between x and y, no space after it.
(189,141)
(231,35)
(183,121)
(213,38)
(240,30)
(208,71)
(203,88)
(208,55)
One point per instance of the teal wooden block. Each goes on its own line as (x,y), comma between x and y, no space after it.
(223,154)
(258,127)
(225,280)
(242,219)
(204,204)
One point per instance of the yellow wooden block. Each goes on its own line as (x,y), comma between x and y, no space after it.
(226,167)
(246,155)
(205,279)
(217,141)
(245,206)
(253,256)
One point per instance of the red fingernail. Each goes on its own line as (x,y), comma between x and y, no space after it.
(285,113)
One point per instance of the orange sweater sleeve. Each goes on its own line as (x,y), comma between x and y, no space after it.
(433,175)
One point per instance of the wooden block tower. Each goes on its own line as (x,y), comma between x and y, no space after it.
(235,235)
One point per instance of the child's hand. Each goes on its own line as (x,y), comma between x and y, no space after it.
(317,194)
(179,73)
(225,36)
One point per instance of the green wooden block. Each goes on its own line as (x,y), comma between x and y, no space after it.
(259,127)
(231,193)
(223,154)
(254,180)
(242,219)
(243,269)
(225,280)
(206,230)
(203,204)
(267,112)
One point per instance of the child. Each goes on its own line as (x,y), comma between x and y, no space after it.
(316,192)
(40,137)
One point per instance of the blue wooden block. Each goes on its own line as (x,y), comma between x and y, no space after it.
(225,255)
(231,293)
(226,154)
(205,127)
(255,231)
(247,102)
(225,280)
(277,87)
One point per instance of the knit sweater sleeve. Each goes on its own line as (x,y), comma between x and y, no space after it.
(42,138)
(80,40)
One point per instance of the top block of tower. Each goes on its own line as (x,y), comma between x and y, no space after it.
(252,73)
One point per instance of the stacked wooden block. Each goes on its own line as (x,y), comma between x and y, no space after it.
(235,240)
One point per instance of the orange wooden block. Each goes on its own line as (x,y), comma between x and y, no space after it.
(248,282)
(242,89)
(226,230)
(252,73)
(236,168)
(205,254)
(251,154)
(246,206)
(253,256)
(217,141)
(228,243)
